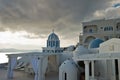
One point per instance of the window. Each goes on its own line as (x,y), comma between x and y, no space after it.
(52,51)
(116,67)
(106,37)
(53,43)
(49,43)
(57,43)
(43,50)
(48,51)
(65,76)
(111,28)
(105,29)
(118,26)
(55,51)
(90,30)
(108,28)
(101,27)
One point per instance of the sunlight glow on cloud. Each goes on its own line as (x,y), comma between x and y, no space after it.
(19,39)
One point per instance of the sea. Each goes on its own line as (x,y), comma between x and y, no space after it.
(4,58)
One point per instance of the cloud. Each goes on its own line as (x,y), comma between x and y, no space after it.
(109,13)
(116,5)
(40,16)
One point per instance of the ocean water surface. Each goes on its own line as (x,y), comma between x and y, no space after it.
(3,56)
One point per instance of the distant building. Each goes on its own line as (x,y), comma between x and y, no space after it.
(103,29)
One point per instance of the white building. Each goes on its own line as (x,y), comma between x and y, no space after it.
(103,29)
(99,61)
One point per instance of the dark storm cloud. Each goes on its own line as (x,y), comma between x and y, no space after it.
(40,16)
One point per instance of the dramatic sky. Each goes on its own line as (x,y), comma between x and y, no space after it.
(26,24)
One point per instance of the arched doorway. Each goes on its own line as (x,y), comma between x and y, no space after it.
(89,39)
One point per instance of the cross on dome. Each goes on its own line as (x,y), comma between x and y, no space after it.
(53,30)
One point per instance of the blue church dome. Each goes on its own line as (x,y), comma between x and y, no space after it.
(95,43)
(53,36)
(53,40)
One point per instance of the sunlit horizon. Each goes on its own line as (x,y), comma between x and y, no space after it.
(19,40)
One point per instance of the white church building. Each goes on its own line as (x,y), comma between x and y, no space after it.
(100,61)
